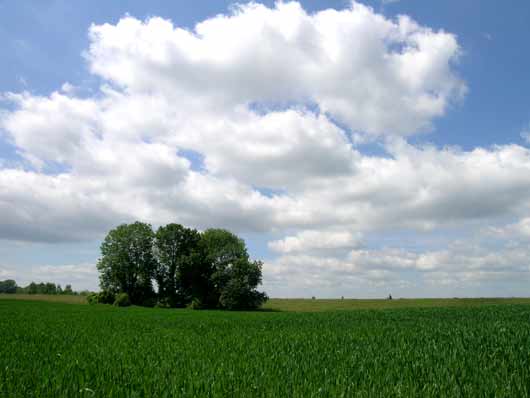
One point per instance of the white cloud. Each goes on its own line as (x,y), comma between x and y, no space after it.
(457,266)
(376,75)
(259,96)
(323,240)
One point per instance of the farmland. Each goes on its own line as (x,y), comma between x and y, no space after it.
(62,350)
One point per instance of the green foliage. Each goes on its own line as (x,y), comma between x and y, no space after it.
(174,246)
(8,286)
(122,300)
(39,288)
(127,264)
(197,304)
(92,298)
(222,251)
(65,350)
(106,297)
(208,270)
(68,290)
(239,293)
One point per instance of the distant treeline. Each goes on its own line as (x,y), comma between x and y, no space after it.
(10,286)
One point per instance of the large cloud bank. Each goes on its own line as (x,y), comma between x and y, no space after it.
(254,121)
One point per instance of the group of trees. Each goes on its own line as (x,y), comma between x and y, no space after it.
(10,286)
(178,266)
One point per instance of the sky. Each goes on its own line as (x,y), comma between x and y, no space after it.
(360,148)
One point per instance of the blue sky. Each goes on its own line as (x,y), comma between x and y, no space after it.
(269,178)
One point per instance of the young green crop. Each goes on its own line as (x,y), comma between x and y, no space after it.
(61,350)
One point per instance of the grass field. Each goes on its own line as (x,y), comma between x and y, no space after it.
(309,305)
(65,350)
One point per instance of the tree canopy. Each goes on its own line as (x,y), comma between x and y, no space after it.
(8,286)
(211,269)
(128,263)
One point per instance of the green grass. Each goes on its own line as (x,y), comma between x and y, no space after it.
(309,305)
(59,350)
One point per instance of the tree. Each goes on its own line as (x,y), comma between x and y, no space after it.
(240,292)
(68,290)
(174,246)
(8,286)
(32,288)
(234,277)
(210,269)
(127,264)
(195,280)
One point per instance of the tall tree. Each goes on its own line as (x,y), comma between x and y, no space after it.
(240,292)
(127,263)
(174,246)
(234,277)
(221,249)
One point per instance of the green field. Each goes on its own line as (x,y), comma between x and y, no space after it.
(66,350)
(309,305)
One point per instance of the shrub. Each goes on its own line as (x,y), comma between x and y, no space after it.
(162,304)
(92,298)
(238,296)
(196,304)
(148,302)
(106,297)
(122,300)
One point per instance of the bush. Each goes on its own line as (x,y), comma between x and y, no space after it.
(106,297)
(196,304)
(92,298)
(122,300)
(148,302)
(162,304)
(238,296)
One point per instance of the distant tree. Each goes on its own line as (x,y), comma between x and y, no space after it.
(8,286)
(240,292)
(127,264)
(68,289)
(48,288)
(174,246)
(221,249)
(32,288)
(234,277)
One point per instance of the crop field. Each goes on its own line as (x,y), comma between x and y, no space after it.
(64,350)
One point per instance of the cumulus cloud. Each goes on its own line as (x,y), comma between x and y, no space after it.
(310,240)
(377,75)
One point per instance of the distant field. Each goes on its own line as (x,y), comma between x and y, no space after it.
(309,305)
(318,305)
(55,298)
(66,350)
